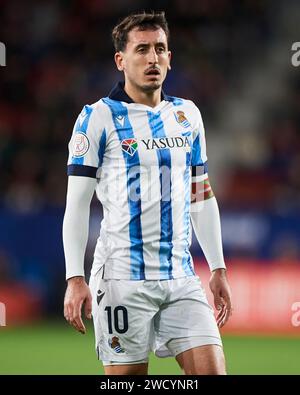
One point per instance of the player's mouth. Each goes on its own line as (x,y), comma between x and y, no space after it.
(152,72)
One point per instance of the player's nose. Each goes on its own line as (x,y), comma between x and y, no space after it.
(152,57)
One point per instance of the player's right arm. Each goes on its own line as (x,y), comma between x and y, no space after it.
(86,150)
(75,237)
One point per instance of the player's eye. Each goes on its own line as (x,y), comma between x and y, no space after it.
(161,49)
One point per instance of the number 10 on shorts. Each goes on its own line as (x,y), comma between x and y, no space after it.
(113,319)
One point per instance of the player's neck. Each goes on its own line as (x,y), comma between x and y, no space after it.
(151,99)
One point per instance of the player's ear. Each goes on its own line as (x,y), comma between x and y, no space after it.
(119,61)
(169,56)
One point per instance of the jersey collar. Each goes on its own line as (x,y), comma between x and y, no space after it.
(118,93)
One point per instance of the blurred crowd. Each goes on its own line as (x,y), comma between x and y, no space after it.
(60,57)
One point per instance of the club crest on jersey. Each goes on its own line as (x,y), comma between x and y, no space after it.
(114,343)
(181,119)
(129,146)
(81,144)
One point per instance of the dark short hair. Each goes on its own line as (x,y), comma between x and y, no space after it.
(143,21)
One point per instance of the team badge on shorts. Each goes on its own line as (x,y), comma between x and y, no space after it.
(81,144)
(115,345)
(129,146)
(181,119)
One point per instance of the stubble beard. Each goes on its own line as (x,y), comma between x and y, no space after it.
(147,88)
(152,87)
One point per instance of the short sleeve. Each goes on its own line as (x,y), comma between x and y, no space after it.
(87,144)
(199,158)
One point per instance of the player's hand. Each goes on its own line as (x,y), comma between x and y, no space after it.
(77,294)
(222,295)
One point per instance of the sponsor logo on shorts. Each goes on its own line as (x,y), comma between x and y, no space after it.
(81,145)
(100,295)
(114,343)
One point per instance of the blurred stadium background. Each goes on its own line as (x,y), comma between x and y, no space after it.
(233,58)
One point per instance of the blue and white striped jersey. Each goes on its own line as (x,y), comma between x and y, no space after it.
(143,159)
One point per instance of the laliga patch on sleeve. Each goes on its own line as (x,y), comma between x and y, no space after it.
(81,145)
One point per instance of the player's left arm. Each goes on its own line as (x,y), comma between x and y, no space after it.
(207,227)
(206,222)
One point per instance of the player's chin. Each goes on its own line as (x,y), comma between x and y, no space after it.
(152,85)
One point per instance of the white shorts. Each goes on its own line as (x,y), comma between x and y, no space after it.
(133,318)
